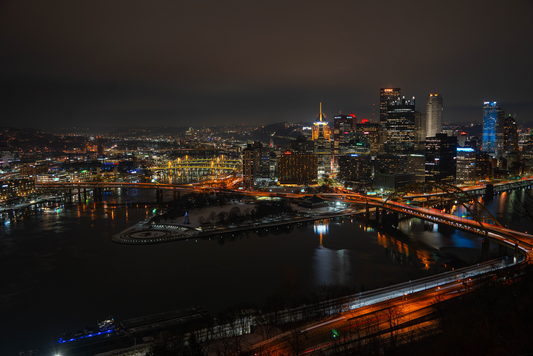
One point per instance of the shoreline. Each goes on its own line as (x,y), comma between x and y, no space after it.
(163,233)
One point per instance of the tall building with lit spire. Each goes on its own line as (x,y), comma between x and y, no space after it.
(321,128)
(321,136)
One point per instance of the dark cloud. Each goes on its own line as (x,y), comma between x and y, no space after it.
(167,62)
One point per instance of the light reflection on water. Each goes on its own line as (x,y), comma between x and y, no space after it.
(63,255)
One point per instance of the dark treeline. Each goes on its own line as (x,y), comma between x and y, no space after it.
(262,209)
(495,317)
(271,314)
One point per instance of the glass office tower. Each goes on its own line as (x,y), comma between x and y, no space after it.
(490,118)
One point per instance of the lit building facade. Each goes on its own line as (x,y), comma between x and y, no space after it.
(400,125)
(386,95)
(483,165)
(416,163)
(490,119)
(321,128)
(343,125)
(18,187)
(256,163)
(507,135)
(354,169)
(321,136)
(302,145)
(371,133)
(434,111)
(297,168)
(441,164)
(391,182)
(420,130)
(466,165)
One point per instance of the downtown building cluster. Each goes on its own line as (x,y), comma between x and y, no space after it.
(404,146)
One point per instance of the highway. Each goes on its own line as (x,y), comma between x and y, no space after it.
(403,315)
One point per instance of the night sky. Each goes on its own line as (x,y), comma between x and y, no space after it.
(203,62)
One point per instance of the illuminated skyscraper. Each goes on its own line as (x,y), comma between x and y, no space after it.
(506,134)
(510,134)
(466,165)
(321,135)
(386,95)
(490,119)
(321,128)
(433,115)
(441,162)
(400,125)
(343,125)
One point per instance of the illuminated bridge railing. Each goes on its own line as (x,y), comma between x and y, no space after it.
(461,223)
(70,185)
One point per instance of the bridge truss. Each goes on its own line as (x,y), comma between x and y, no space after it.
(474,209)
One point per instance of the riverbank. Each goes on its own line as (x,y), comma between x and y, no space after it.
(146,232)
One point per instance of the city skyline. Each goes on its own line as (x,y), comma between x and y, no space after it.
(130,63)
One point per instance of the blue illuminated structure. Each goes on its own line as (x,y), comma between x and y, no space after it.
(61,341)
(490,118)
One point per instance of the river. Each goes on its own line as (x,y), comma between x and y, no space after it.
(60,271)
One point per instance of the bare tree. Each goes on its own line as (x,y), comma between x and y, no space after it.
(523,206)
(201,220)
(393,314)
(212,217)
(296,342)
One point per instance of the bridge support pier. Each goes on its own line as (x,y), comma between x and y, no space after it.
(159,195)
(489,191)
(69,195)
(84,194)
(79,195)
(97,194)
(367,212)
(502,249)
(485,249)
(377,215)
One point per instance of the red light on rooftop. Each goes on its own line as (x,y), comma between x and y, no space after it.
(364,121)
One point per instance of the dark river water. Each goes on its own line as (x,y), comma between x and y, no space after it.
(60,271)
